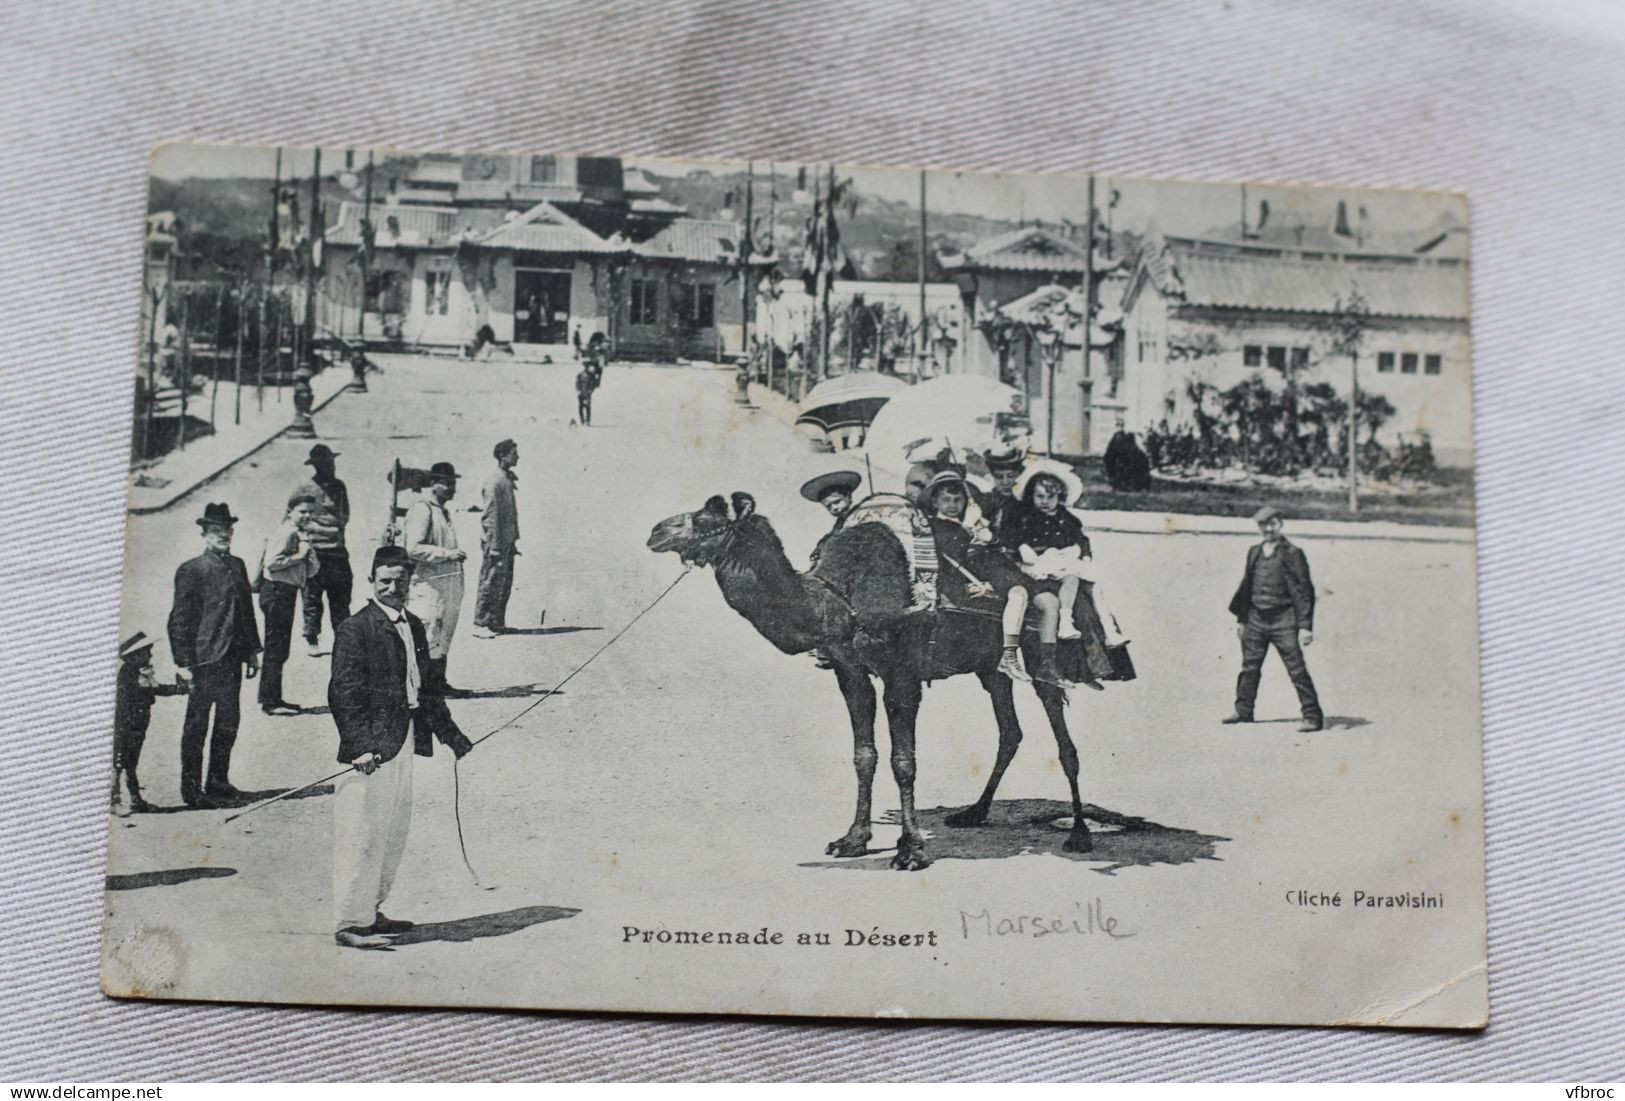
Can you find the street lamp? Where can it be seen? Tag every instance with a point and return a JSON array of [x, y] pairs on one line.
[[1050, 347]]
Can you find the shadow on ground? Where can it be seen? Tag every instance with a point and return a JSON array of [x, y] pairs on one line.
[[513, 691], [462, 930], [1028, 827], [168, 878], [249, 798], [1333, 722], [547, 630]]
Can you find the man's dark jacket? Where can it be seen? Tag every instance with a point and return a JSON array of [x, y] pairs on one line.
[[1295, 567], [213, 615], [367, 692]]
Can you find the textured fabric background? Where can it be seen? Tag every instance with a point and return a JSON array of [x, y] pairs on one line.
[[1523, 107]]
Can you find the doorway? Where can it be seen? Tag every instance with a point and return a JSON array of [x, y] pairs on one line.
[[541, 307]]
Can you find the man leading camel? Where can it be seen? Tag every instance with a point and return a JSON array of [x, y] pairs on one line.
[[379, 693]]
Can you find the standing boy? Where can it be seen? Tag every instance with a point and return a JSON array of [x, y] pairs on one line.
[[287, 564], [1275, 606], [132, 712], [437, 577], [329, 516], [499, 531]]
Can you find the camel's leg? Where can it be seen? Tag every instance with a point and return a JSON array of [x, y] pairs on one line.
[[1054, 701], [902, 709], [1004, 710], [860, 706]]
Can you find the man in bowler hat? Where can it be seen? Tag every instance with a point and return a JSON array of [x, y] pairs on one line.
[[214, 639], [381, 690], [1275, 606], [329, 516]]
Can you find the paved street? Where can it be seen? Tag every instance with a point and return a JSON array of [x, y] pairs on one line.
[[691, 776]]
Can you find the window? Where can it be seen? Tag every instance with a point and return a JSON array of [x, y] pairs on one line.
[[1252, 355], [1385, 363], [387, 291], [1407, 363], [644, 309], [1432, 364], [544, 169], [1300, 359], [1276, 358], [436, 291], [699, 305], [599, 172]]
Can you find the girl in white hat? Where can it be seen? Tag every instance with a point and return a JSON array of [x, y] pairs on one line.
[[1053, 548]]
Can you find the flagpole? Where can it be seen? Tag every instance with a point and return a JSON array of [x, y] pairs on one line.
[[921, 349], [745, 248], [827, 264]]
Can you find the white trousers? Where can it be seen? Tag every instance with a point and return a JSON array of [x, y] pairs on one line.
[[371, 816], [437, 601]]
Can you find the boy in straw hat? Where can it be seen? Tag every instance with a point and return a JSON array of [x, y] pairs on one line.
[[132, 712]]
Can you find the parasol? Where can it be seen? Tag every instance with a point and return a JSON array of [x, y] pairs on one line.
[[848, 401], [970, 412]]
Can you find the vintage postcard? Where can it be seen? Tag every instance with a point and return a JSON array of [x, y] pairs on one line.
[[645, 585]]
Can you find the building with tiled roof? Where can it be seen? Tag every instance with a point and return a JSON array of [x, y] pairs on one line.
[[537, 250], [1006, 283], [1209, 312]]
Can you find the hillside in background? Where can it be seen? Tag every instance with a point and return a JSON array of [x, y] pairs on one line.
[[226, 219], [881, 236]]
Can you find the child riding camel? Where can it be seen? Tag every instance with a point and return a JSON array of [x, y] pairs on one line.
[[1053, 549], [970, 554]]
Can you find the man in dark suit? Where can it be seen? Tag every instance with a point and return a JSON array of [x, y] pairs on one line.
[[1275, 606], [381, 689], [214, 638]]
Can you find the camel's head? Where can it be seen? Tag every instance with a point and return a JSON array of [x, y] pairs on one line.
[[700, 537]]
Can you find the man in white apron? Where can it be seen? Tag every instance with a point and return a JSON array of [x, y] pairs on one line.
[[436, 595]]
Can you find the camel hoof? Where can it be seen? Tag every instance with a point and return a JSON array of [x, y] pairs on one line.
[[1079, 842], [848, 846], [910, 857], [969, 818]]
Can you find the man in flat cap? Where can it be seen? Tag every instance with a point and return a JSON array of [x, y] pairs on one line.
[[1275, 606], [499, 531], [436, 596], [214, 639], [329, 516], [380, 691]]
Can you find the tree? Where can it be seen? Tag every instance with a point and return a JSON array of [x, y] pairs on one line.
[[1346, 329], [902, 264]]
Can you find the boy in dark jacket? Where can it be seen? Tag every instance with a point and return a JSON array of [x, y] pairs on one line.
[[132, 711], [1275, 606]]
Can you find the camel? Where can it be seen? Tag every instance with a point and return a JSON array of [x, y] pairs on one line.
[[853, 605]]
